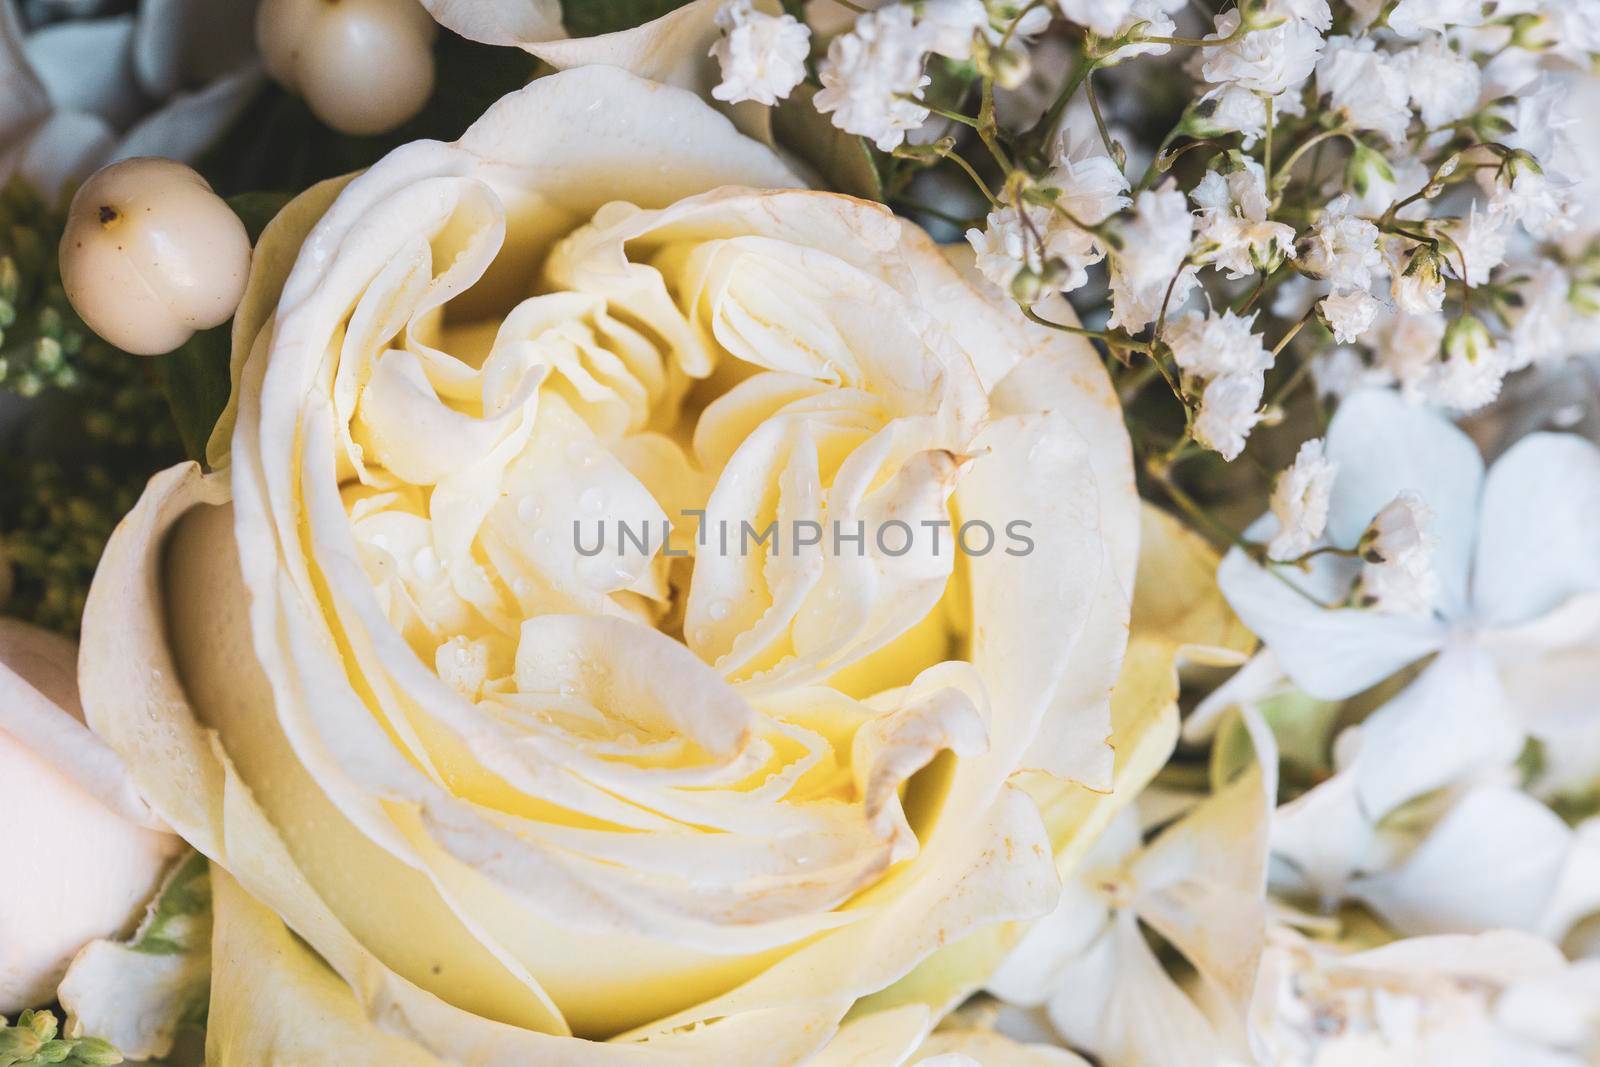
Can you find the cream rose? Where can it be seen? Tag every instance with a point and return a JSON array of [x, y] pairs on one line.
[[677, 804], [85, 853]]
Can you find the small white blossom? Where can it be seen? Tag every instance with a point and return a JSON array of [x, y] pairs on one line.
[[1468, 385], [1155, 244], [1269, 61], [1544, 128], [1480, 243], [1398, 576], [948, 26], [1386, 181], [1472, 370], [1229, 410], [1444, 84], [1036, 239], [1211, 346], [1089, 188], [1407, 348], [1417, 286], [1342, 248], [1413, 18], [763, 57], [1088, 183], [1234, 108], [1546, 327], [1113, 18], [869, 75], [1522, 192], [1571, 29], [1234, 228], [1300, 501], [1368, 85], [1349, 314]]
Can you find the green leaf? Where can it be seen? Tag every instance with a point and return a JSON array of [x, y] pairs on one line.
[[255, 210], [195, 381], [195, 378], [587, 18], [846, 163]]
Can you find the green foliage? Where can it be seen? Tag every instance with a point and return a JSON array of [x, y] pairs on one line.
[[33, 1040], [196, 383], [586, 18], [41, 338], [180, 920], [195, 378], [90, 426]]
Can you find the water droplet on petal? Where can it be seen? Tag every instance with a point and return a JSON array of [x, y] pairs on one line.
[[593, 500], [529, 509], [719, 610]]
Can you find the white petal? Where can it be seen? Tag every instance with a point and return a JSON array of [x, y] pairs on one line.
[[1537, 543], [1330, 653], [1325, 837], [1492, 863], [1451, 721], [511, 22], [1118, 1003], [54, 773]]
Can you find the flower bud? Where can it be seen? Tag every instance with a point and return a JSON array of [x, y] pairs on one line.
[[1027, 287], [1419, 288], [150, 255], [1366, 169], [363, 66], [1009, 67], [1468, 338]]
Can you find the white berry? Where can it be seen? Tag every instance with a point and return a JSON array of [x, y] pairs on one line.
[[363, 66], [150, 255]]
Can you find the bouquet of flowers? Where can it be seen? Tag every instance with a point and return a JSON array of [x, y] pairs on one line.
[[853, 533]]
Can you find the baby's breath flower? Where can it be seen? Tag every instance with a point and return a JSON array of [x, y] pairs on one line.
[[1473, 368], [1236, 236], [1229, 410], [1418, 287], [1154, 246], [1300, 498], [1407, 349], [1444, 84], [873, 75], [763, 57], [1413, 18], [1116, 18], [1211, 346], [1349, 314], [950, 26], [1480, 245], [1398, 576], [1367, 85], [1341, 248], [1269, 61], [1032, 252]]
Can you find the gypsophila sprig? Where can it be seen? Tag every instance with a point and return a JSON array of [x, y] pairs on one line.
[[1403, 159]]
